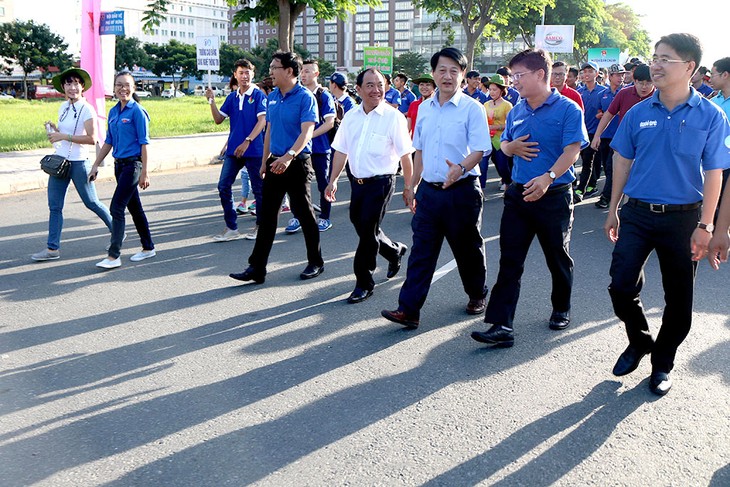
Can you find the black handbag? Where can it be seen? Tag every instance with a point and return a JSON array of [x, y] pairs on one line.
[[59, 166]]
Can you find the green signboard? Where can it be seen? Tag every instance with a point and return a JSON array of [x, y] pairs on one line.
[[604, 56], [380, 58]]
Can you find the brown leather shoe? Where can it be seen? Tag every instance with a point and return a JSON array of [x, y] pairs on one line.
[[400, 317], [476, 306]]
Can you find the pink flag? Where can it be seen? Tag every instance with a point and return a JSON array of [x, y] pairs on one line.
[[91, 61]]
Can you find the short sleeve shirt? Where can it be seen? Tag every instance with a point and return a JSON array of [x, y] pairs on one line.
[[128, 129], [513, 96], [554, 125], [406, 98], [71, 121], [592, 103], [671, 150], [243, 112], [347, 102], [571, 94], [286, 114], [606, 99], [478, 95], [392, 96], [624, 100], [413, 113], [321, 143], [450, 131]]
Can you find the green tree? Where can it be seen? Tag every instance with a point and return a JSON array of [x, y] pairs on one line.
[[173, 58], [410, 63], [129, 52], [32, 46], [478, 18]]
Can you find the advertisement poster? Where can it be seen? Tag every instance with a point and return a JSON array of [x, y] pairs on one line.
[[555, 38]]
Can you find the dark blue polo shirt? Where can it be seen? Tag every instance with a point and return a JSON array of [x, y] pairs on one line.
[[406, 98], [672, 149], [554, 125], [287, 113], [392, 96], [513, 96], [347, 102], [606, 100], [478, 95], [592, 103], [321, 143], [128, 129], [243, 112]]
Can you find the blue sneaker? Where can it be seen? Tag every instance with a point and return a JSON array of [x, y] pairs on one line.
[[293, 227], [324, 224]]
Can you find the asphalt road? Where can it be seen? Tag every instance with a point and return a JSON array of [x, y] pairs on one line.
[[168, 373]]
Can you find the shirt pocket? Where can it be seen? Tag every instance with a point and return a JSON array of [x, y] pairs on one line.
[[691, 142], [379, 146]]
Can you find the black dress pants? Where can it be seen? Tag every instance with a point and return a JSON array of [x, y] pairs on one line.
[[295, 181], [591, 168]]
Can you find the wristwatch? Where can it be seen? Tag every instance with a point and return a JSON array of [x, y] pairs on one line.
[[291, 153], [552, 175], [463, 169], [708, 227], [249, 139]]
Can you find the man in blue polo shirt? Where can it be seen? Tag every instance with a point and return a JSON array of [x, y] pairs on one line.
[[591, 93], [473, 80], [246, 109], [338, 88], [406, 96], [286, 167], [392, 96], [544, 133], [451, 136], [670, 151]]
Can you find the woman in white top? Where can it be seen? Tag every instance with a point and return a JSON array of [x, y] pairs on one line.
[[75, 130]]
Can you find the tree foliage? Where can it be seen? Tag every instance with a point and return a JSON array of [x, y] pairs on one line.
[[411, 63], [32, 46], [129, 52], [173, 59]]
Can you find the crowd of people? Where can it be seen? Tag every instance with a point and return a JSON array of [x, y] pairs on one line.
[[663, 146]]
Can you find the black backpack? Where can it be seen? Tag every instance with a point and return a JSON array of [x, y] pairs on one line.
[[339, 113]]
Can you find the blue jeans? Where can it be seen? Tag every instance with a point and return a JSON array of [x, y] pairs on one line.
[[245, 184], [126, 196], [321, 165], [231, 167], [57, 189]]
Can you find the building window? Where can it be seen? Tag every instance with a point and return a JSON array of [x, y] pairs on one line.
[[380, 16], [273, 31], [173, 33], [190, 35], [380, 36], [362, 36], [362, 17], [358, 56], [403, 26], [381, 26], [330, 56], [313, 39], [402, 35], [330, 48], [268, 31], [403, 6], [191, 22], [403, 15]]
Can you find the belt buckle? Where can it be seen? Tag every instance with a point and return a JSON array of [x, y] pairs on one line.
[[360, 181], [657, 208]]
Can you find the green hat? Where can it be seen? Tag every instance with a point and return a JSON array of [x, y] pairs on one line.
[[82, 74], [496, 80], [424, 78]]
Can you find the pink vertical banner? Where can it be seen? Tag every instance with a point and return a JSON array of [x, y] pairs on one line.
[[91, 61]]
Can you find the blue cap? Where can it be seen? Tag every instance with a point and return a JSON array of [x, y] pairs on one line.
[[589, 64], [338, 79]]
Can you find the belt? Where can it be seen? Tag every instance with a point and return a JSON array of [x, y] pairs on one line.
[[460, 182], [552, 189], [370, 179], [125, 160], [659, 208]]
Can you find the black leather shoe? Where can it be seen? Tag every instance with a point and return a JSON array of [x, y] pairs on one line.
[[311, 271], [476, 306], [559, 321], [498, 335], [249, 274], [400, 317], [394, 265], [629, 360], [359, 295], [660, 383]]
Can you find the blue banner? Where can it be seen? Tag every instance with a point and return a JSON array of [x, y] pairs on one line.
[[112, 23]]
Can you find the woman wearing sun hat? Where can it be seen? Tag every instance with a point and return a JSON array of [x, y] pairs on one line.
[[497, 109], [75, 130]]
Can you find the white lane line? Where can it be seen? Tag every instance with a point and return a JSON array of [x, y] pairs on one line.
[[451, 265]]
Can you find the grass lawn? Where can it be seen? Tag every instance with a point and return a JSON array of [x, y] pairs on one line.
[[22, 126]]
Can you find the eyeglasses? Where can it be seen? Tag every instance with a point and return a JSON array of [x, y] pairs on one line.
[[558, 75], [517, 76], [120, 85], [665, 61], [271, 68]]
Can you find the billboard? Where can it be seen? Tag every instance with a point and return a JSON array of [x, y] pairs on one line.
[[604, 56], [380, 58], [555, 38], [208, 53]]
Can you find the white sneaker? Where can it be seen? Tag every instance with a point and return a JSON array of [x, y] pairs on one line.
[[109, 263], [227, 236], [145, 254], [46, 254], [252, 234], [123, 239]]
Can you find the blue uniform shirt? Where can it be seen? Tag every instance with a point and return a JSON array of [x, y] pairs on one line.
[[321, 143], [723, 102], [128, 129], [705, 90], [513, 96], [347, 102], [606, 100], [591, 104], [243, 112], [287, 113], [554, 125], [478, 95], [406, 98], [672, 149], [452, 131], [392, 96]]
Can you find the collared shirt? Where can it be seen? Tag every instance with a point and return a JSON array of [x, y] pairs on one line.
[[478, 95], [128, 129], [592, 103], [287, 113], [705, 90], [606, 99], [671, 150], [554, 125], [347, 102], [723, 102], [321, 143], [392, 96], [244, 111], [450, 131], [373, 142], [571, 94], [406, 98], [513, 96], [413, 114], [624, 100]]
